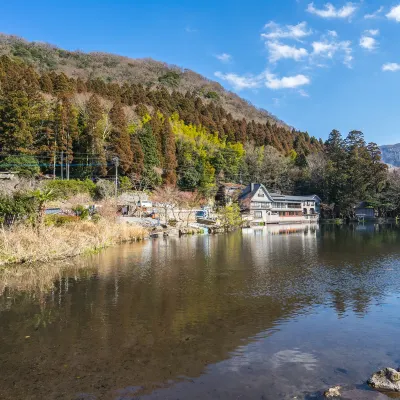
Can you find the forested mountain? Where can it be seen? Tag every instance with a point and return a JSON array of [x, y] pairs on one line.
[[391, 154], [117, 69], [76, 112]]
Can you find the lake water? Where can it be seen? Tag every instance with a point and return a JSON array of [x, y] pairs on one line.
[[282, 312]]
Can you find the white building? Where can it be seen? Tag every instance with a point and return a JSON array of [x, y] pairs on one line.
[[258, 206]]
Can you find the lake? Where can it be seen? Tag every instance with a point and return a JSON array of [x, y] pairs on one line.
[[281, 312]]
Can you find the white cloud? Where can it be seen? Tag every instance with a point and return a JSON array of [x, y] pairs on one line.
[[278, 51], [394, 13], [331, 48], [333, 34], [224, 57], [287, 82], [392, 67], [271, 81], [240, 82], [374, 14], [372, 32], [330, 11], [368, 43], [303, 93], [275, 31]]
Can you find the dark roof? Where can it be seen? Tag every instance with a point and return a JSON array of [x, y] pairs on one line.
[[249, 191], [252, 189]]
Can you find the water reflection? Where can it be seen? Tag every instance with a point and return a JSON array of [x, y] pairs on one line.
[[138, 319]]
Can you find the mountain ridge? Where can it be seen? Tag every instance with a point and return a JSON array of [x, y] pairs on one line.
[[122, 69], [391, 154]]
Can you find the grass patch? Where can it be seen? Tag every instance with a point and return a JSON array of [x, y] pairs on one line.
[[25, 244]]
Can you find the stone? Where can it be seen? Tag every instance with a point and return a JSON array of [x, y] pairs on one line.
[[387, 379], [332, 392]]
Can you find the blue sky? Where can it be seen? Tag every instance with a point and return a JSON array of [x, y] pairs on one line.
[[318, 66]]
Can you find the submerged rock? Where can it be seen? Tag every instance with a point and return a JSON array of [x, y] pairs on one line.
[[387, 379], [332, 392]]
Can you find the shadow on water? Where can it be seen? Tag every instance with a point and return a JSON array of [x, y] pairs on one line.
[[272, 313]]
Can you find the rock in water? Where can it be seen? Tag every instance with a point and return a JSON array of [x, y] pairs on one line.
[[386, 379], [332, 392]]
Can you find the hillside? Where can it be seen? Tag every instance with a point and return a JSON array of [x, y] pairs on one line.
[[391, 154], [114, 68], [72, 114]]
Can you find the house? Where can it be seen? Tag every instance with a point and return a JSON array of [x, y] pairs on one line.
[[364, 211], [259, 206], [228, 193]]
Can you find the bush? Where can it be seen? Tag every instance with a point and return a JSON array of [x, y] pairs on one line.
[[104, 189], [81, 211], [125, 184], [60, 220], [212, 95], [20, 206], [25, 165], [171, 78], [64, 189]]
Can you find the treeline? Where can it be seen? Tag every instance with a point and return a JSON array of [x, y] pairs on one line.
[[348, 172], [39, 115]]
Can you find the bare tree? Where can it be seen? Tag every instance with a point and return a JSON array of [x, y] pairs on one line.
[[191, 201], [168, 199]]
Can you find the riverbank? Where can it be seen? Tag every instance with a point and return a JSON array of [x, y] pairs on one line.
[[26, 244]]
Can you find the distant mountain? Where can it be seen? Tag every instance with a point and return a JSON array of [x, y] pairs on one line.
[[391, 154]]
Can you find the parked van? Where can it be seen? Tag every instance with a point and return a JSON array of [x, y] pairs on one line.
[[145, 204]]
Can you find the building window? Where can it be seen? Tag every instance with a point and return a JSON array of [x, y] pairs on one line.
[[257, 214]]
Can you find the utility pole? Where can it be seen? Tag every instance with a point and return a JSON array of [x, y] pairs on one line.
[[116, 163], [62, 164], [54, 165]]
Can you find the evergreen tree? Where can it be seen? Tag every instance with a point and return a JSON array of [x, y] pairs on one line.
[[120, 137], [169, 154], [151, 160], [93, 132], [138, 156]]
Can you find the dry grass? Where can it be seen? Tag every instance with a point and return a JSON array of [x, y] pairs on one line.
[[22, 244]]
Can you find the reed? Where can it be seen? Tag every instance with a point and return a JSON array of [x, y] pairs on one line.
[[25, 244]]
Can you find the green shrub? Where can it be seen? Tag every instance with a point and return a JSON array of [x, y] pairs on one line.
[[171, 78], [212, 95], [60, 220], [25, 165], [20, 206], [81, 211], [68, 188], [125, 184]]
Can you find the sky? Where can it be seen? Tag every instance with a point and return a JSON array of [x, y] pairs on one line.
[[316, 65]]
